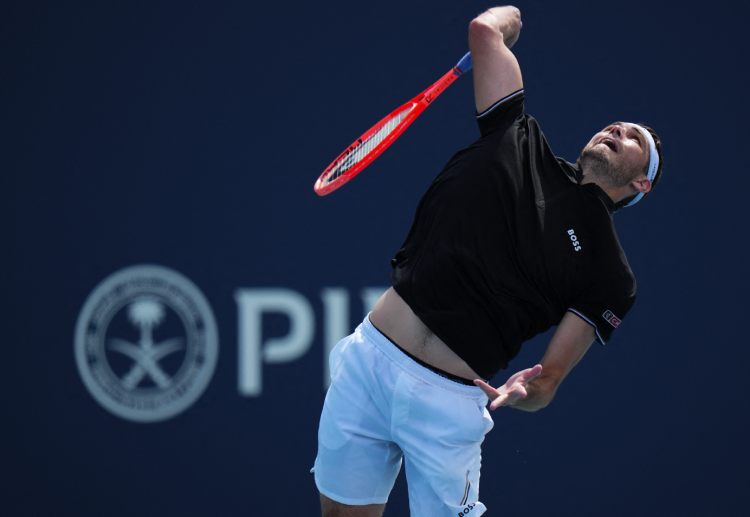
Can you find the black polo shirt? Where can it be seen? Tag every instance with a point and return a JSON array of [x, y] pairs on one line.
[[506, 240]]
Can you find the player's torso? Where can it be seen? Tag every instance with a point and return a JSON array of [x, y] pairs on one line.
[[541, 233]]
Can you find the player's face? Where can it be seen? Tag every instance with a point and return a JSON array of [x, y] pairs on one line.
[[623, 148]]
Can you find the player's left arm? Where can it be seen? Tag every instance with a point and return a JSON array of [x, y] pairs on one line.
[[534, 388]]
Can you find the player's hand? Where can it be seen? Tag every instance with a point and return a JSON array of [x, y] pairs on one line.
[[513, 390]]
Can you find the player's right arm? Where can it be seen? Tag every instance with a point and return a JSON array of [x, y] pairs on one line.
[[496, 70]]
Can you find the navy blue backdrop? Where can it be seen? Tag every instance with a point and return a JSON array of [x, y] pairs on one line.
[[188, 135]]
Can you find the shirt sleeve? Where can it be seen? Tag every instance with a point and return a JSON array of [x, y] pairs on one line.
[[605, 303], [502, 113]]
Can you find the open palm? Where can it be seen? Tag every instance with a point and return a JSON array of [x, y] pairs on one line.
[[514, 388]]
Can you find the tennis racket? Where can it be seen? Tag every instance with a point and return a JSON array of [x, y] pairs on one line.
[[363, 151]]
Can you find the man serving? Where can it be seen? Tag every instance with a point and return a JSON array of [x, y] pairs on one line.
[[508, 241]]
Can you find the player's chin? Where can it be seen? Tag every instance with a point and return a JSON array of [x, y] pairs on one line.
[[596, 157], [597, 152]]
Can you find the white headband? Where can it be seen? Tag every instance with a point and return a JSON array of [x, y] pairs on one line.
[[653, 160]]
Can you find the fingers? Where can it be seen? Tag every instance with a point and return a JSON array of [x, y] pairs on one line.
[[513, 390], [488, 390], [500, 397], [532, 373], [509, 396], [500, 401], [524, 376], [497, 397]]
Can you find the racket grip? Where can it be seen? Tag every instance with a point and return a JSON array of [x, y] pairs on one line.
[[464, 65]]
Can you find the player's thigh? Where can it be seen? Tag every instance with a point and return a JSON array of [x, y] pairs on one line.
[[446, 488], [331, 508], [357, 461], [441, 441]]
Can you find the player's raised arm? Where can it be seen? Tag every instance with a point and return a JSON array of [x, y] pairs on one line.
[[496, 70]]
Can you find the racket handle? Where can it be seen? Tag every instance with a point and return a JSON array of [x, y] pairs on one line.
[[464, 65]]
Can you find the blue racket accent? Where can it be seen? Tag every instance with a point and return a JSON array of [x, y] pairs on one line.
[[464, 65]]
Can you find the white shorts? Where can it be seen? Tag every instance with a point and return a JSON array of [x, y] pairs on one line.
[[383, 406]]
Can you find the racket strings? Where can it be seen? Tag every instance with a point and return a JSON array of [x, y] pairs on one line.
[[368, 144]]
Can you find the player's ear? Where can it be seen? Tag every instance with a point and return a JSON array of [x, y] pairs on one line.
[[641, 184]]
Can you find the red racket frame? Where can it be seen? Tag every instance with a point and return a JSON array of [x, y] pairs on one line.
[[420, 102]]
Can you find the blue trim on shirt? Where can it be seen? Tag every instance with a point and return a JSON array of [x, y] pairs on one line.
[[584, 318], [498, 103]]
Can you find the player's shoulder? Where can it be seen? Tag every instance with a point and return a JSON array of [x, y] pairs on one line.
[[502, 114], [510, 103]]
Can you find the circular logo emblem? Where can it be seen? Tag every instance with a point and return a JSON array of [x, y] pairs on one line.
[[146, 343]]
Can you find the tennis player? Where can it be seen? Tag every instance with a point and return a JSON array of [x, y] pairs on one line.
[[508, 241]]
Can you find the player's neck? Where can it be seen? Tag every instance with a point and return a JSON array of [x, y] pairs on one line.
[[615, 193]]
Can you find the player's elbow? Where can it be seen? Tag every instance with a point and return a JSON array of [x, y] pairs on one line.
[[494, 26], [483, 34]]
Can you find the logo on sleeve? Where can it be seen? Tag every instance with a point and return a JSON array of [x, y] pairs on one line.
[[574, 240], [610, 317]]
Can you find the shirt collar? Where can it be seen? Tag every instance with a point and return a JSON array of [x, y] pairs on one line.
[[598, 192], [576, 174]]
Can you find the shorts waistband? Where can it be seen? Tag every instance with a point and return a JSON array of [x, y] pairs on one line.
[[442, 373], [405, 361]]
